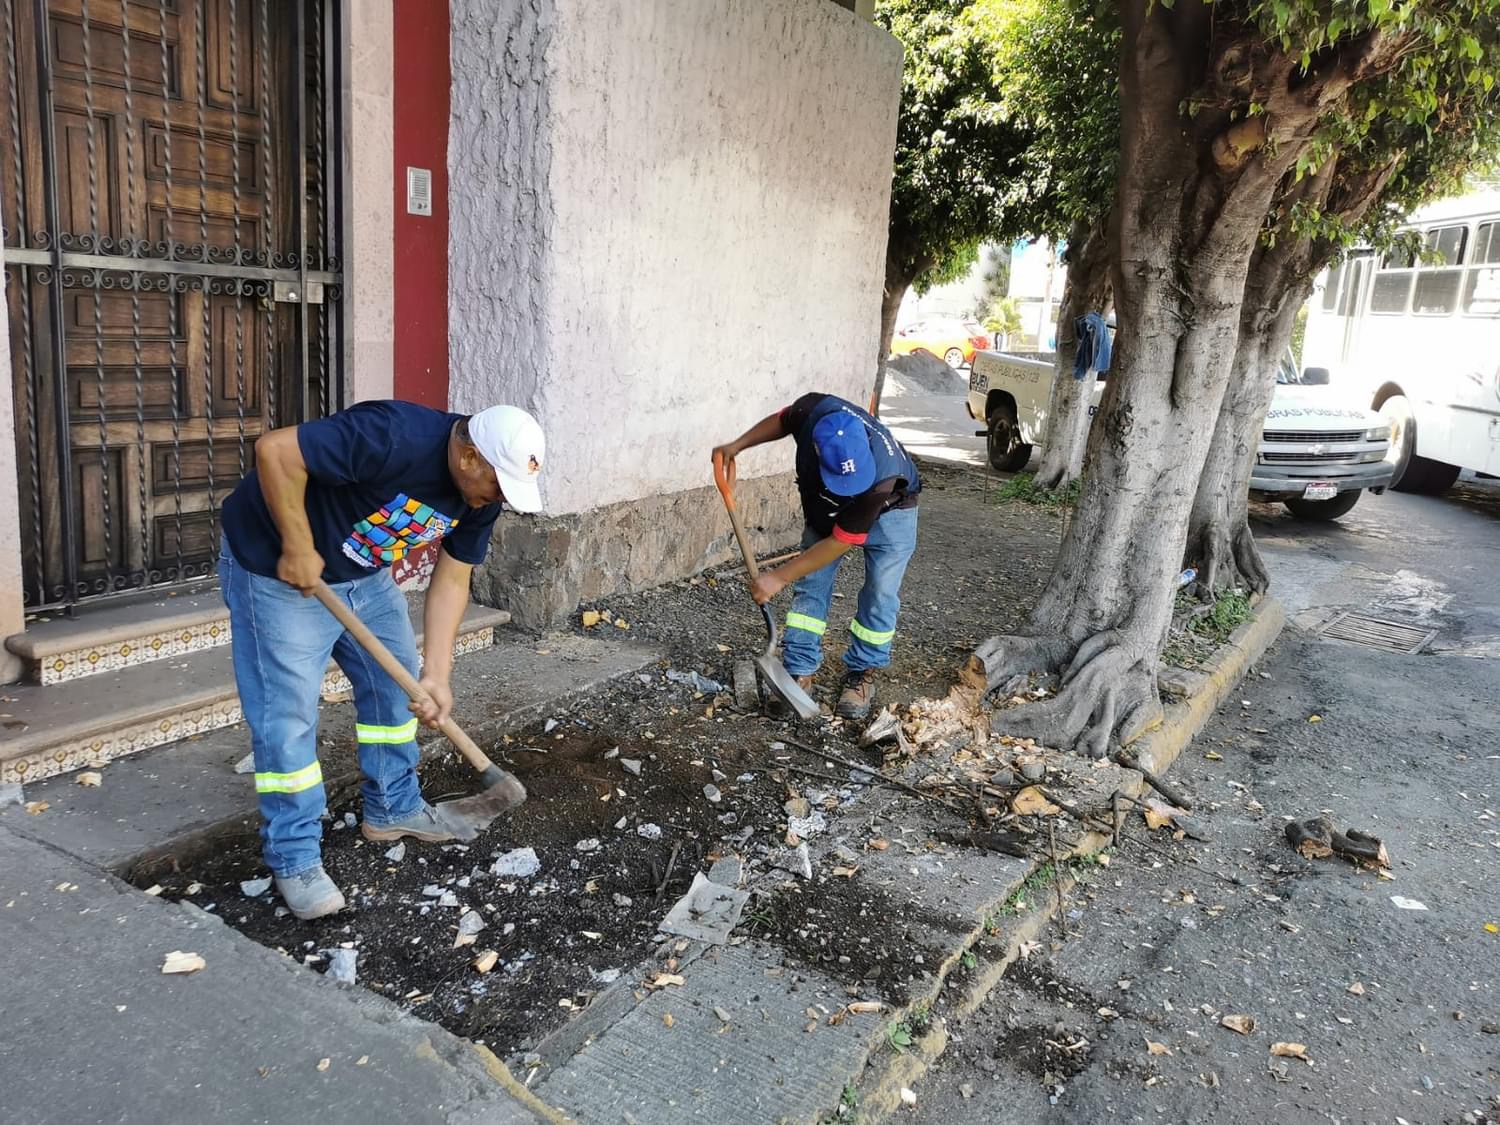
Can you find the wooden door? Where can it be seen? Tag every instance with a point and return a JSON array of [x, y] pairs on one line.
[[148, 350]]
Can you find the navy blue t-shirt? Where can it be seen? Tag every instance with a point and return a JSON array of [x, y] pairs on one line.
[[378, 488]]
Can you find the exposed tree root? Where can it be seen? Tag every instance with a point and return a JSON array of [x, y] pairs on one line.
[[1107, 692], [1227, 556]]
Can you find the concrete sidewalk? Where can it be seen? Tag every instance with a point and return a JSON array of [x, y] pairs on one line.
[[95, 1032]]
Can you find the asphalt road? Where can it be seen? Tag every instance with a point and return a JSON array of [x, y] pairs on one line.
[[1398, 1007], [932, 424]]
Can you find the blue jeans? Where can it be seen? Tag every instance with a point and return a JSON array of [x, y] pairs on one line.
[[887, 551], [281, 643]]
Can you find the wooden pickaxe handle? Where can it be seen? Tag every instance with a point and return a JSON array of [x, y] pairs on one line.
[[724, 478], [397, 671]]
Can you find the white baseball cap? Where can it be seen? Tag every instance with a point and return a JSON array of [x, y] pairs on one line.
[[511, 441]]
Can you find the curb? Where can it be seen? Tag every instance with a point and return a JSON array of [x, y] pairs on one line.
[[880, 1087], [1158, 748]]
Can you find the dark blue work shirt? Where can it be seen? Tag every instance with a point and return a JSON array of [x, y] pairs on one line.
[[378, 488]]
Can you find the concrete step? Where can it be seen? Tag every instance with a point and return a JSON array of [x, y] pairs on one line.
[[122, 634], [55, 728], [159, 809]]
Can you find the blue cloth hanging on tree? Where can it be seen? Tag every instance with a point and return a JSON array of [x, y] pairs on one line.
[[1093, 345]]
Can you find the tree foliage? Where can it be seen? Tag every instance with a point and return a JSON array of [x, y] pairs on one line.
[[1056, 76], [958, 158]]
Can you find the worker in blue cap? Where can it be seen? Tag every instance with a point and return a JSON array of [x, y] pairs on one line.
[[859, 489]]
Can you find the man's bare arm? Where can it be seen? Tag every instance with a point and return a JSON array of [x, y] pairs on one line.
[[283, 482], [447, 598]]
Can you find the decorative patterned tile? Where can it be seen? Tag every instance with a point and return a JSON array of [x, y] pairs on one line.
[[103, 749], [92, 660]]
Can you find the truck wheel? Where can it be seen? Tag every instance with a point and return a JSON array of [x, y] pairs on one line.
[[1427, 477], [1008, 453], [1322, 509], [1414, 473]]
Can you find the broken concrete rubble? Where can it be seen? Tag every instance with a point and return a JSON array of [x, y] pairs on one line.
[[707, 913], [522, 863]]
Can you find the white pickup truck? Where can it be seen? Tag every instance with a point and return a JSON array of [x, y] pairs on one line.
[[1318, 450]]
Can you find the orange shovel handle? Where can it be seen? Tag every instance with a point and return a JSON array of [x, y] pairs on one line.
[[724, 478]]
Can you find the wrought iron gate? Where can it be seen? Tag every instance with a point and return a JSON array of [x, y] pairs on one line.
[[170, 206]]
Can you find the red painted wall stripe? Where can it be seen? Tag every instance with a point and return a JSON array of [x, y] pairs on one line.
[[420, 98]]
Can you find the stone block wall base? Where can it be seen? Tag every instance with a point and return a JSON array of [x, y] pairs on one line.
[[542, 568]]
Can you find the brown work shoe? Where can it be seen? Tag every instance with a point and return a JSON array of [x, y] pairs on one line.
[[777, 707], [858, 696]]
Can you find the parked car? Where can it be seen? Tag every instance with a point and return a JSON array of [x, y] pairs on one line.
[[1319, 449], [952, 341]]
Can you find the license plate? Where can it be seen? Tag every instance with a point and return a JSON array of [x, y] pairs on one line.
[[1320, 490], [978, 382]]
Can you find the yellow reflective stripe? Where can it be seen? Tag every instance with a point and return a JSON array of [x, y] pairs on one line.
[[802, 621], [293, 782], [870, 636], [367, 732]]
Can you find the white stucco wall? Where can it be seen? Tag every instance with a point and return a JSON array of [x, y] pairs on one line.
[[668, 219]]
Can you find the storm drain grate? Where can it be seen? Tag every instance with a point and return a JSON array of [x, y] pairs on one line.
[[1372, 632]]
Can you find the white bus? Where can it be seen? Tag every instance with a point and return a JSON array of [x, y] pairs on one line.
[[1419, 341]]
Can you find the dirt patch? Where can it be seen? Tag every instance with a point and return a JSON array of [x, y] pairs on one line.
[[856, 932], [589, 915]]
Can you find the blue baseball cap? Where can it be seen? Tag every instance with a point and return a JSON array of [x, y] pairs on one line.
[[844, 456]]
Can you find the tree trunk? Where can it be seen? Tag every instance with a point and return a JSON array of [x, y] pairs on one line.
[[1220, 543], [898, 279], [1087, 290], [1183, 231]]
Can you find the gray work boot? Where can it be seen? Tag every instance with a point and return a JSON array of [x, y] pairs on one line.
[[310, 894], [428, 823]]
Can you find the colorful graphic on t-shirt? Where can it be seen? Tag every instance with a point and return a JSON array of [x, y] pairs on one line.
[[400, 527]]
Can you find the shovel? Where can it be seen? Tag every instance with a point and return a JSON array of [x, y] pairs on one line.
[[502, 791], [772, 670]]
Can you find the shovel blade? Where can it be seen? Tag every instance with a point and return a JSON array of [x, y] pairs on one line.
[[498, 798], [779, 680]]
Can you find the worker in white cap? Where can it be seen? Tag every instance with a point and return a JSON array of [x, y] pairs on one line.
[[339, 501]]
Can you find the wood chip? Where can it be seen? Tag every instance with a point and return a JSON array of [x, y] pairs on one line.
[[590, 618], [723, 1015], [363, 1060], [324, 1064], [1158, 815], [1356, 989], [664, 980], [90, 779], [1157, 1048], [879, 844], [486, 961], [846, 872], [1030, 801], [1242, 1024], [865, 1007], [179, 962], [1290, 1051], [155, 889], [669, 1019], [36, 808]]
